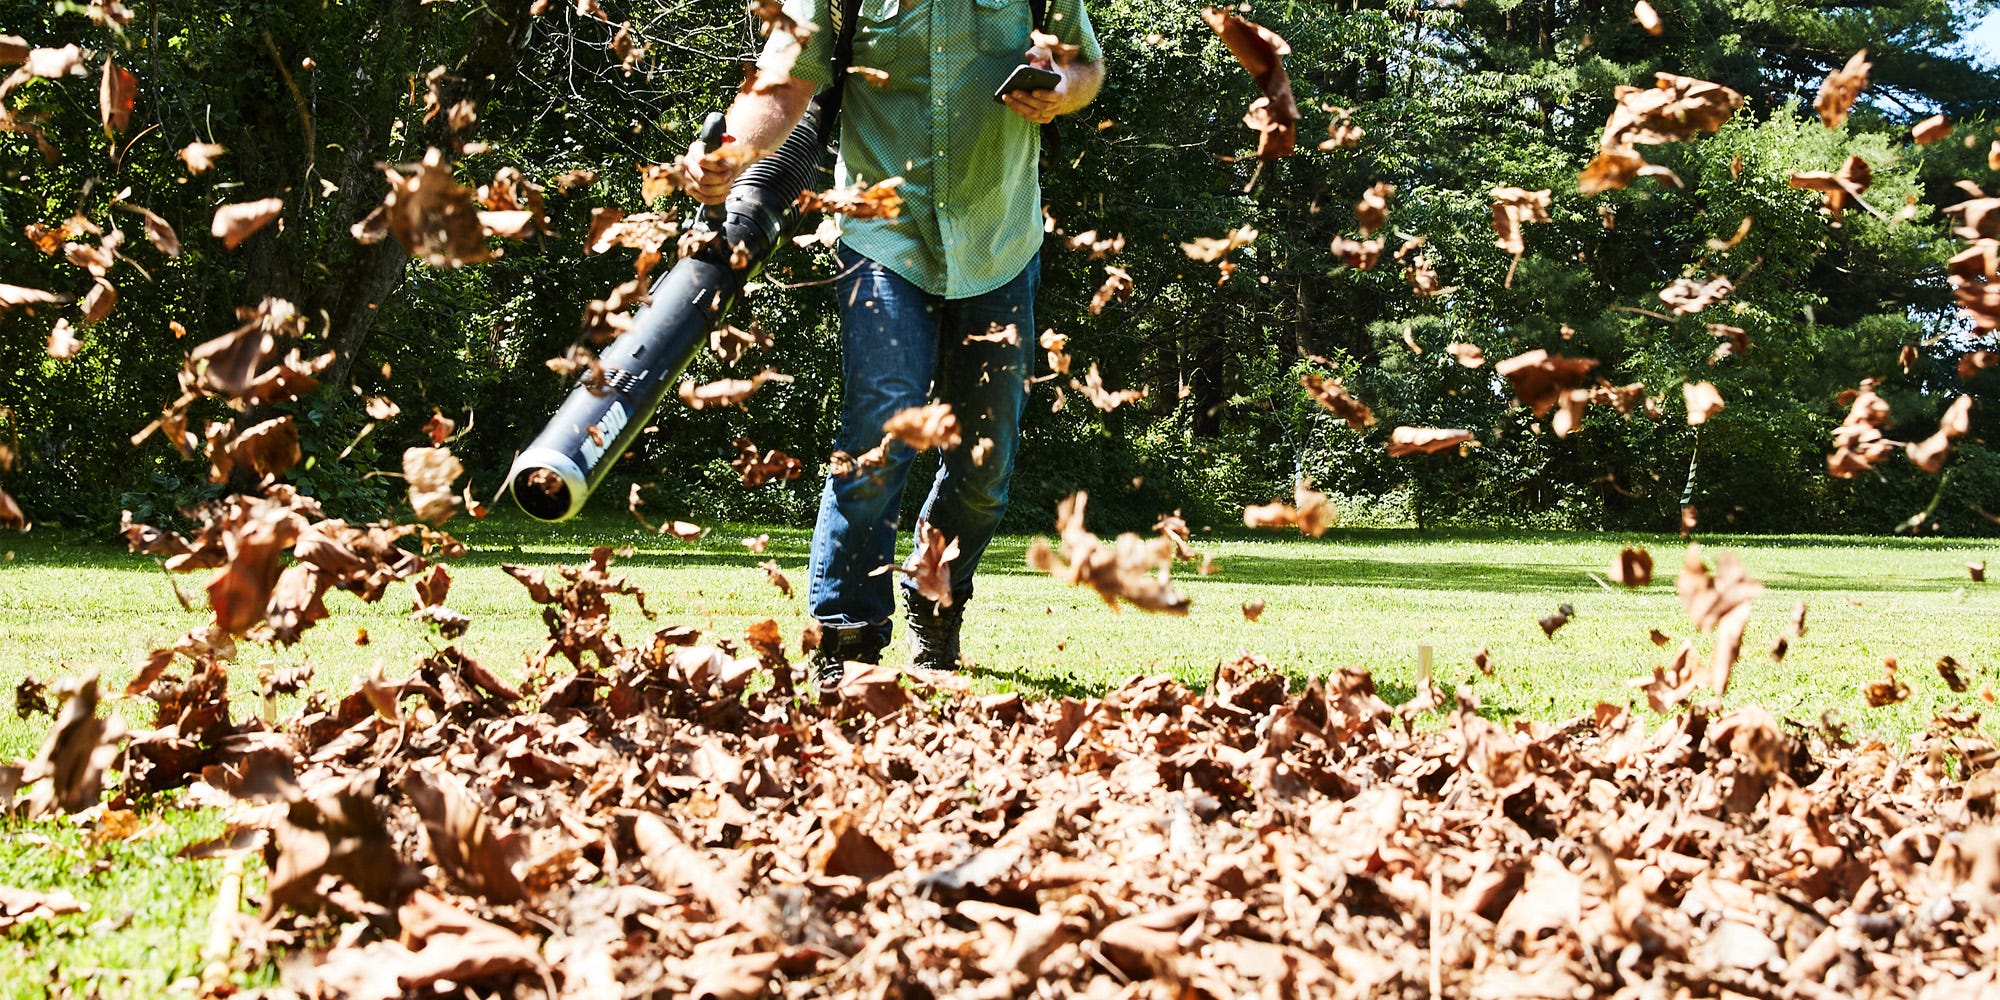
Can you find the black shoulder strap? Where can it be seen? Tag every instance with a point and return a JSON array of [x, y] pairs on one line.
[[1038, 10], [845, 14]]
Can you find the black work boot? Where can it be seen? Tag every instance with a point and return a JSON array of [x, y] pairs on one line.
[[933, 632], [841, 646]]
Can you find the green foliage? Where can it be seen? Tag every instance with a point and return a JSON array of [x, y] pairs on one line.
[[1454, 103]]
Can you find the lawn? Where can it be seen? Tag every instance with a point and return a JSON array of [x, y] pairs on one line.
[[1365, 598]]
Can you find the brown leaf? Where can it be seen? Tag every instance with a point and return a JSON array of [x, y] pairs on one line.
[[1512, 209], [1840, 187], [1098, 248], [1117, 285], [1703, 402], [11, 515], [266, 449], [1209, 249], [1686, 296], [1930, 453], [932, 425], [74, 755], [1467, 355], [1858, 442], [237, 222], [1554, 622], [1930, 130], [1124, 570], [758, 468], [432, 216], [23, 906], [1947, 669], [1092, 387], [62, 340], [98, 302], [430, 473], [26, 299], [1718, 603], [1253, 609], [1425, 440], [728, 391], [1647, 17], [116, 92], [1362, 255], [1540, 378], [1341, 132], [1632, 567], [1841, 87], [857, 201], [1889, 690], [200, 156], [469, 848], [730, 343], [1332, 395], [929, 566], [256, 534], [1261, 53], [843, 849], [776, 576]]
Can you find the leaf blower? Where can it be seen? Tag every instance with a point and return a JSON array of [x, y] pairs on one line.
[[568, 460]]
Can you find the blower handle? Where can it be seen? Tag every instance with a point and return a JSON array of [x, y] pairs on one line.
[[712, 133]]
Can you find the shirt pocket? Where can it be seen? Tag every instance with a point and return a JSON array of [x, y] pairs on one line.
[[1002, 26], [889, 37]]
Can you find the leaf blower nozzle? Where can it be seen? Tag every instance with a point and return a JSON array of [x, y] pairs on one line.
[[568, 460]]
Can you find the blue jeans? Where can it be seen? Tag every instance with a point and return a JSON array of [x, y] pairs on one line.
[[897, 343]]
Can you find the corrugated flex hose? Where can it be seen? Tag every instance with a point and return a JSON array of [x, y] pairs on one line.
[[568, 460]]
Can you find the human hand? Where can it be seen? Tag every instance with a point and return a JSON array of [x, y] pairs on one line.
[[707, 175], [1039, 106]]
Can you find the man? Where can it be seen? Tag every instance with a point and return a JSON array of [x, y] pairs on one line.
[[918, 294]]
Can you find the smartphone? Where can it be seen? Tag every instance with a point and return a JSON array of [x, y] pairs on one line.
[[1026, 77]]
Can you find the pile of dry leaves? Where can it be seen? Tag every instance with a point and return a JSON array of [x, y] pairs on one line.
[[670, 816]]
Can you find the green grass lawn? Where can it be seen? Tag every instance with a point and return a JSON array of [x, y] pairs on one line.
[[1364, 598]]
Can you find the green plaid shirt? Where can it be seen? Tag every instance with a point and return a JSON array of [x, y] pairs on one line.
[[971, 217]]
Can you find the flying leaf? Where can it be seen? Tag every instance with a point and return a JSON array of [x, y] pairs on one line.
[[1702, 402], [1104, 399], [1540, 378], [1840, 187], [1686, 296], [115, 96], [1837, 94], [431, 472], [728, 391], [758, 468], [857, 201], [1930, 453], [1372, 211], [1117, 285], [1647, 17], [62, 340], [1209, 249], [1332, 395], [1261, 52], [932, 425], [1425, 440], [1930, 130], [200, 156], [1632, 567], [238, 222], [1132, 569]]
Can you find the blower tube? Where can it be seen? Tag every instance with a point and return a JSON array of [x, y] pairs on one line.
[[568, 460]]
